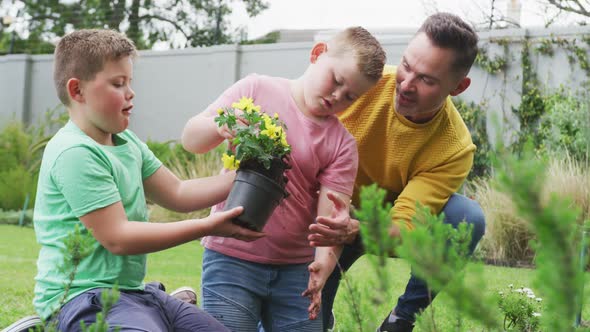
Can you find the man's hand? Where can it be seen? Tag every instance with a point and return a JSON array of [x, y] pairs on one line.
[[337, 229], [317, 279], [221, 225]]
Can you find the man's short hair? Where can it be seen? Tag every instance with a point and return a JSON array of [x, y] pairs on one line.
[[83, 53], [449, 31], [364, 47]]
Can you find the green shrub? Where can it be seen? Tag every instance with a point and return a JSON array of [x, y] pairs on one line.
[[21, 150], [16, 183], [474, 116], [185, 165], [565, 126]]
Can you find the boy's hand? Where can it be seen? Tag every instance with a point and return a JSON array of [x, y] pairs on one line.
[[337, 229], [317, 279], [229, 134], [221, 225]]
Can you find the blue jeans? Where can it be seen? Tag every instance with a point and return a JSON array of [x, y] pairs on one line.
[[240, 294], [148, 310], [416, 297]]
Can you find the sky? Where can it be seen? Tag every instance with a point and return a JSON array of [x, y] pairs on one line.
[[378, 14]]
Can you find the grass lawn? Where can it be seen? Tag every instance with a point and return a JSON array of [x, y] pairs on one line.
[[182, 266]]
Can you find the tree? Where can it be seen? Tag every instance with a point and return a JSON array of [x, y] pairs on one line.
[[176, 23], [580, 7]]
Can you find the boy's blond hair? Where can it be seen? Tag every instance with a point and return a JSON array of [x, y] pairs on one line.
[[365, 48], [83, 53]]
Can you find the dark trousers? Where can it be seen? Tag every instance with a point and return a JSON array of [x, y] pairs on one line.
[[416, 297], [148, 310]]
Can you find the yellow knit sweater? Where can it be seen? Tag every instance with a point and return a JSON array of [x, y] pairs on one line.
[[423, 163]]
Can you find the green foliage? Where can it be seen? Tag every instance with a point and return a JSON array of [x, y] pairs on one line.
[[80, 244], [491, 65], [559, 276], [532, 104], [375, 215], [269, 38], [146, 22], [20, 250], [21, 149], [521, 309], [437, 252], [162, 150], [17, 180], [475, 118], [565, 127]]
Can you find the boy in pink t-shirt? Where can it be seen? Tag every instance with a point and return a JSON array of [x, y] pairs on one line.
[[267, 280]]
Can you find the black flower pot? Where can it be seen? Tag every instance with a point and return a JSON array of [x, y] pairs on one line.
[[258, 194]]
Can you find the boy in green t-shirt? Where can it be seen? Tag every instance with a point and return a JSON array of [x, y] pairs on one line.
[[96, 175]]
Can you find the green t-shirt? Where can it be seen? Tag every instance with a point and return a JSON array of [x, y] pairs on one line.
[[78, 176]]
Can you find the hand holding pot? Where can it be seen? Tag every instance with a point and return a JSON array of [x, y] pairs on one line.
[[222, 225]]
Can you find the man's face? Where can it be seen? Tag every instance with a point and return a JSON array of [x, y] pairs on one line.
[[424, 79]]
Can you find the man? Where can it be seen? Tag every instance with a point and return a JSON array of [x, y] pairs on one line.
[[413, 143]]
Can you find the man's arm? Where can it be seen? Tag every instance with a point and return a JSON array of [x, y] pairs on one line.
[[432, 189]]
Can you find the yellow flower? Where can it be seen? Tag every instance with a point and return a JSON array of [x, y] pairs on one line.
[[246, 104], [284, 140], [220, 111], [271, 131], [276, 115], [243, 104], [230, 162]]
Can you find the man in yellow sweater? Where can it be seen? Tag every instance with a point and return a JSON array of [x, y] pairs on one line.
[[413, 143]]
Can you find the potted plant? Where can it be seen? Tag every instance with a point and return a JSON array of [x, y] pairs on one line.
[[260, 153]]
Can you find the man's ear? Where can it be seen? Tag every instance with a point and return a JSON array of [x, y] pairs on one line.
[[74, 87], [462, 86], [317, 50]]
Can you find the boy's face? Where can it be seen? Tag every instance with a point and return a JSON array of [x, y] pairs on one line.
[[107, 99], [332, 83], [425, 78]]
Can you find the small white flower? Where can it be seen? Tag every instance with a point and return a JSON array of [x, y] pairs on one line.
[[531, 296], [501, 293], [538, 299], [519, 291], [511, 286], [536, 314]]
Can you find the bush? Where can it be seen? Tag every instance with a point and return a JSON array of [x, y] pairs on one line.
[[508, 237], [507, 234], [21, 149], [185, 165], [17, 180], [565, 126], [475, 118]]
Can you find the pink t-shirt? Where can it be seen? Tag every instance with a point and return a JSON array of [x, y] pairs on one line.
[[321, 154]]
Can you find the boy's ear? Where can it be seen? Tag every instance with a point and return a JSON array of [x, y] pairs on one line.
[[75, 89], [462, 86], [317, 50]]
